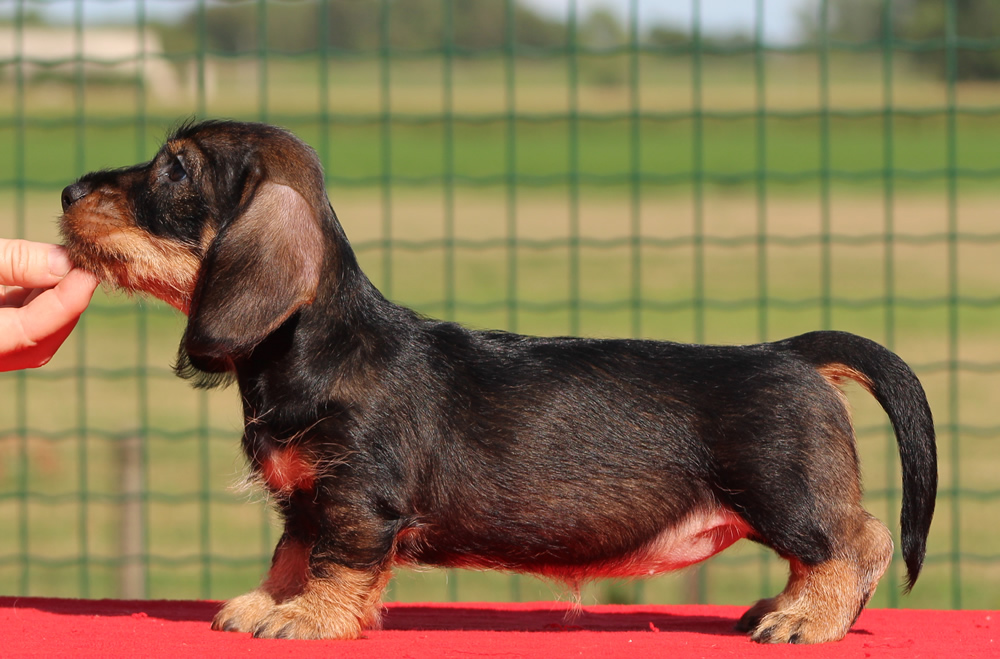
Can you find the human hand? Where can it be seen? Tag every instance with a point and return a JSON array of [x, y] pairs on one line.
[[41, 299]]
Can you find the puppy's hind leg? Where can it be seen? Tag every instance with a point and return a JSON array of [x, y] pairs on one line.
[[823, 600]]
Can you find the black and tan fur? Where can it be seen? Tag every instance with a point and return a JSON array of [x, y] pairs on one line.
[[388, 438]]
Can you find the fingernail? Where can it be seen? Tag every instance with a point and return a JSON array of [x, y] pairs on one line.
[[59, 263]]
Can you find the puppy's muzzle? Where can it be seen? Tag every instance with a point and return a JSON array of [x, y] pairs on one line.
[[74, 193]]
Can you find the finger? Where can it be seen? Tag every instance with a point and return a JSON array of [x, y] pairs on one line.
[[35, 331], [36, 355], [14, 296], [76, 290], [32, 294], [56, 307], [32, 265]]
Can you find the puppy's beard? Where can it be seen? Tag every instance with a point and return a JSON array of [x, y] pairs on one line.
[[132, 260]]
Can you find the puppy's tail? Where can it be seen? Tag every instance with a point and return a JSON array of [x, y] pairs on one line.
[[838, 355]]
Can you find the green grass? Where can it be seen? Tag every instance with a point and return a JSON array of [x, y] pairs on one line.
[[602, 155], [541, 130]]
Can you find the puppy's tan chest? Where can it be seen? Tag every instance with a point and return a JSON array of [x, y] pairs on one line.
[[286, 469]]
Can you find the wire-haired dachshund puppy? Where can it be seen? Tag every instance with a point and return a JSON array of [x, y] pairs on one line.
[[387, 438]]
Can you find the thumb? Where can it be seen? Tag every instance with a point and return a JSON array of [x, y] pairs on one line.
[[31, 265]]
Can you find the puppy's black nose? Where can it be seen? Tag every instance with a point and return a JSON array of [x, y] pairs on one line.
[[74, 193]]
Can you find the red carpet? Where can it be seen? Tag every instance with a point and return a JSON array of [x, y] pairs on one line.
[[78, 628]]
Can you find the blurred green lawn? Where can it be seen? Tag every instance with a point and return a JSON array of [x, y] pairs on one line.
[[600, 253], [600, 151], [404, 124]]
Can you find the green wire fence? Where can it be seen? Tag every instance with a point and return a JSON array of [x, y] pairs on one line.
[[594, 173]]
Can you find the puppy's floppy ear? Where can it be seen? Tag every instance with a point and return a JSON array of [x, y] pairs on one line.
[[259, 270]]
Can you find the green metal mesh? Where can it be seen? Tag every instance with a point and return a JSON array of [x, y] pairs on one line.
[[700, 189]]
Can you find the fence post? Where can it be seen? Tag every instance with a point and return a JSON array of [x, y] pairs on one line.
[[131, 522]]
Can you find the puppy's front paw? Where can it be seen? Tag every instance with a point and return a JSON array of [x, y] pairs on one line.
[[297, 619], [749, 620], [244, 613], [796, 627]]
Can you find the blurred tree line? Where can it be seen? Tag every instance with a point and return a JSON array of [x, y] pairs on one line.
[[471, 26], [301, 26], [233, 27], [357, 25], [922, 27]]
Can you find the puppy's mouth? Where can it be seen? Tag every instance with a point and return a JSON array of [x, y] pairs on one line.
[[125, 257]]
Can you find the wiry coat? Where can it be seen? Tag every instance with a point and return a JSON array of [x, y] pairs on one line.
[[389, 438]]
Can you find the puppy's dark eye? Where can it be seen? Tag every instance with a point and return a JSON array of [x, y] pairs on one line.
[[176, 171]]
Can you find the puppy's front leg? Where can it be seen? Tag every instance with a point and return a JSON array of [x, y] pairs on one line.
[[286, 579], [307, 598], [340, 603]]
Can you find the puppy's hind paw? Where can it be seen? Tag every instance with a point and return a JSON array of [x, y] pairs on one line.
[[244, 613]]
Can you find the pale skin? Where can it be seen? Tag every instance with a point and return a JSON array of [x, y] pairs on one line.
[[41, 298]]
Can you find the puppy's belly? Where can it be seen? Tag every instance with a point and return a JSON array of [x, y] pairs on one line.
[[701, 535]]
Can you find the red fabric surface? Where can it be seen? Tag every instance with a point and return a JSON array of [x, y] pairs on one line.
[[109, 628]]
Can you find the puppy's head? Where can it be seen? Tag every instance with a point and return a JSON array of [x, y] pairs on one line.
[[229, 223]]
